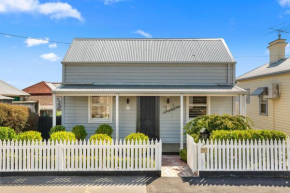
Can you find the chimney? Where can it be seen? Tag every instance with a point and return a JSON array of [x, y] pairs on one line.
[[277, 50]]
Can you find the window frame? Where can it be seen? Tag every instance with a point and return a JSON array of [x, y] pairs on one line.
[[207, 105], [260, 103], [248, 96], [99, 120]]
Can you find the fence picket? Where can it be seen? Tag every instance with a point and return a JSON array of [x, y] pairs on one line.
[[82, 155], [241, 155]]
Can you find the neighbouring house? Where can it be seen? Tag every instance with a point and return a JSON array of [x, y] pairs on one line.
[[14, 96], [41, 93], [153, 86], [268, 87]]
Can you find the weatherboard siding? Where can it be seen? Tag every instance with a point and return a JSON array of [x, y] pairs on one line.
[[148, 73], [76, 113], [278, 109]]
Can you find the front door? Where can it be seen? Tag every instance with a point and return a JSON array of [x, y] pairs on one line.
[[148, 116]]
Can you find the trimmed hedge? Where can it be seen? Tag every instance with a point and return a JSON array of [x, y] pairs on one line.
[[29, 136], [101, 137], [183, 155], [104, 129], [57, 128], [80, 132], [248, 134], [218, 122], [6, 133], [63, 136], [137, 136]]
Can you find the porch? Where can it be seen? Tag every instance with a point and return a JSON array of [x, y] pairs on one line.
[[159, 111]]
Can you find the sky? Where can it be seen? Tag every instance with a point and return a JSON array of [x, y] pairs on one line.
[[26, 61]]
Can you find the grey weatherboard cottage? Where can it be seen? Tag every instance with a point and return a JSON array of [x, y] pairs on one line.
[[137, 85]]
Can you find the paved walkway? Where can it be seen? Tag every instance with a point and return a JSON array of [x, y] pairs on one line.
[[172, 166]]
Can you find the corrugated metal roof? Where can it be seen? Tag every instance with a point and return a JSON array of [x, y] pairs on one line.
[[5, 98], [202, 89], [8, 90], [282, 66], [148, 51]]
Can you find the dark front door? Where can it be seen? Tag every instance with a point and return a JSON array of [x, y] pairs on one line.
[[149, 116]]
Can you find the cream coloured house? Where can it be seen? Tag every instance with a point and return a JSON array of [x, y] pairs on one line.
[[268, 86]]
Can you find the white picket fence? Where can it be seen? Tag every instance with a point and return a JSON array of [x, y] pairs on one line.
[[80, 156], [240, 155]]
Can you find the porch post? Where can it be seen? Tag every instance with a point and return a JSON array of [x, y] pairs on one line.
[[245, 105], [117, 116], [240, 105], [53, 110], [181, 121]]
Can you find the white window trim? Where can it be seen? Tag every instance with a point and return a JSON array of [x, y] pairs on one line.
[[110, 120], [267, 106], [207, 106]]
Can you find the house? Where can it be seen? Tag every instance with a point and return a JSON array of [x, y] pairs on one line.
[[9, 93], [41, 93], [268, 87], [153, 86]]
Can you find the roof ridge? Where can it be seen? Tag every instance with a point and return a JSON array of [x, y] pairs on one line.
[[148, 39]]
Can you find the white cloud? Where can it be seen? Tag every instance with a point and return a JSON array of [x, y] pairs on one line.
[[56, 10], [284, 3], [54, 45], [51, 57], [145, 34], [108, 2], [35, 42]]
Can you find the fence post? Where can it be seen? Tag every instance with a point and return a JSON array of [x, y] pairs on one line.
[[160, 154], [60, 156]]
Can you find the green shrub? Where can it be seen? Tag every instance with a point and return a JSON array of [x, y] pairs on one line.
[[218, 122], [6, 133], [57, 128], [137, 136], [183, 155], [104, 129], [80, 132], [29, 136], [14, 116], [102, 137], [32, 122], [248, 134], [63, 136]]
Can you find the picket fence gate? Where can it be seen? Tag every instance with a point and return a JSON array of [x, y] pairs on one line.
[[17, 156], [238, 155]]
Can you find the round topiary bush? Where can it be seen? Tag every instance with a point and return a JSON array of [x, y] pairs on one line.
[[80, 132], [137, 137], [57, 128], [6, 133], [29, 136], [105, 129], [102, 137], [63, 136]]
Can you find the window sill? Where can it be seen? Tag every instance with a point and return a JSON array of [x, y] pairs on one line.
[[263, 114]]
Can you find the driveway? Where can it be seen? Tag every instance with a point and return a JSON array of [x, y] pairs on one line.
[[140, 184]]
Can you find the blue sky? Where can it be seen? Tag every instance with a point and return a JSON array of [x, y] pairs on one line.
[[24, 62]]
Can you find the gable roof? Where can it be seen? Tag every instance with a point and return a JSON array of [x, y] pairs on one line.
[[42, 87], [148, 51], [282, 66], [9, 90]]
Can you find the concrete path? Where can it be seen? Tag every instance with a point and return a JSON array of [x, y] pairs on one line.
[[219, 185], [142, 184], [74, 184]]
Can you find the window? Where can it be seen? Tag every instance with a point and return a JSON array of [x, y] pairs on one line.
[[248, 98], [100, 109], [197, 106], [263, 102]]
